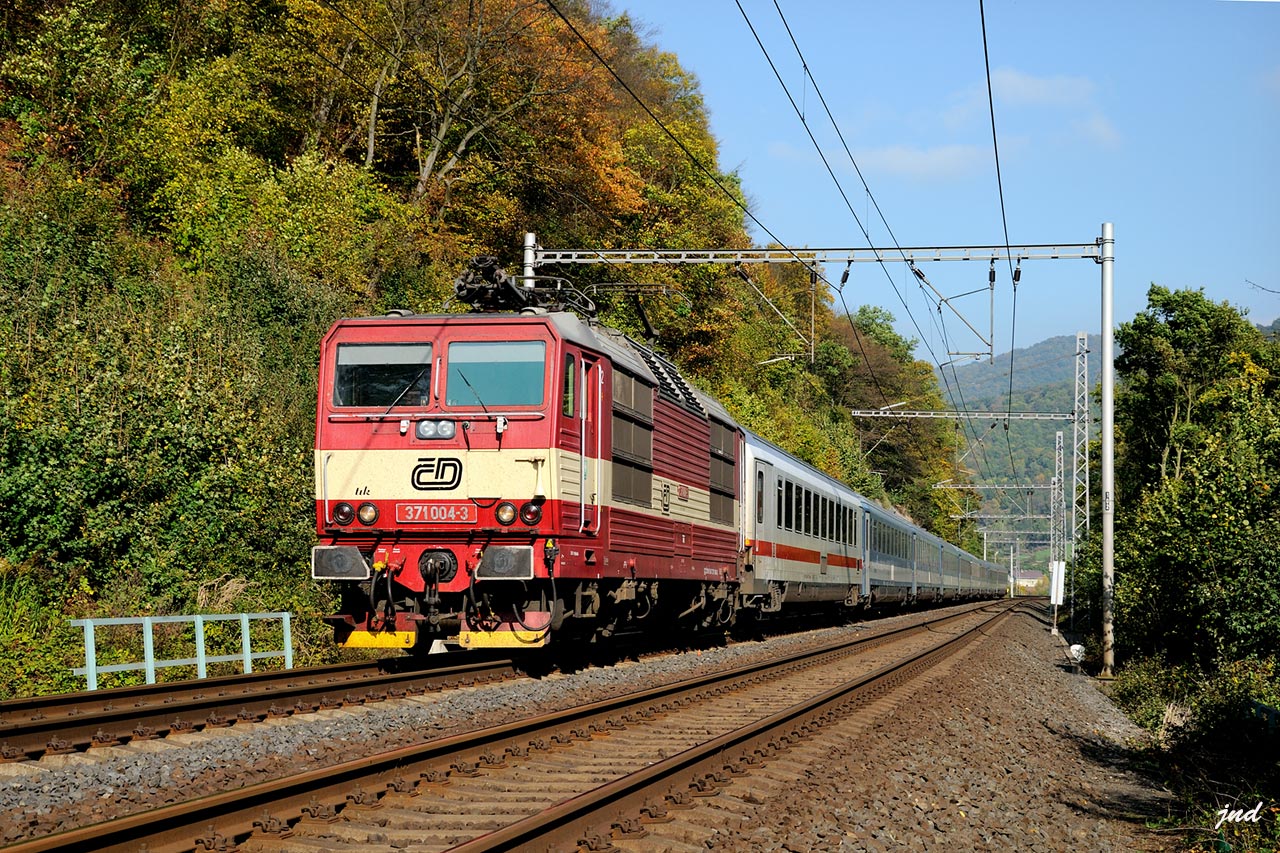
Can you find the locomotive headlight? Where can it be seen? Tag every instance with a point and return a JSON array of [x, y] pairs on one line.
[[505, 513], [427, 430], [530, 513], [368, 513], [344, 513]]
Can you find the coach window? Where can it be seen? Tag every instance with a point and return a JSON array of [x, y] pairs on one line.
[[822, 519], [570, 375], [779, 502], [787, 506]]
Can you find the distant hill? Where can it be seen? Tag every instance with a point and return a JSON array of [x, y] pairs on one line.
[[1048, 364], [1043, 381]]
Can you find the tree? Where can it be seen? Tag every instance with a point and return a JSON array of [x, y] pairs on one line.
[[1199, 456], [1170, 355], [1199, 567]]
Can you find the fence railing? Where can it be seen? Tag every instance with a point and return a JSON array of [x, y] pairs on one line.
[[1270, 716], [149, 664]]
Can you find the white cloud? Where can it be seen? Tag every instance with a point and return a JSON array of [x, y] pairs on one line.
[[934, 163], [940, 162], [1021, 89], [1097, 128], [1012, 89], [1060, 105]]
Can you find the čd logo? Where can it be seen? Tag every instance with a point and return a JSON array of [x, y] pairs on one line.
[[437, 474]]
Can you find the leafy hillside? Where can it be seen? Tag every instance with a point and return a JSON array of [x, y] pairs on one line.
[[192, 194]]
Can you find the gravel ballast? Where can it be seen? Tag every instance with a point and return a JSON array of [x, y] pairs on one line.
[[1008, 749]]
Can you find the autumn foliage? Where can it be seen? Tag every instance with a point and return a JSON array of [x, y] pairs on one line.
[[192, 193]]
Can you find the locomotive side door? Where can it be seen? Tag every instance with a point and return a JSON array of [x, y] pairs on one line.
[[591, 414]]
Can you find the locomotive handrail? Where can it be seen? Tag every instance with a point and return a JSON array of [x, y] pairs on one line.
[[324, 488], [461, 416]]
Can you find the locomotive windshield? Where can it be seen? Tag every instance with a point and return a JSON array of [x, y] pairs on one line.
[[383, 375], [493, 374]]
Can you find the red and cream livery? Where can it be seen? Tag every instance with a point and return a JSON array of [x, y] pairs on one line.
[[492, 479]]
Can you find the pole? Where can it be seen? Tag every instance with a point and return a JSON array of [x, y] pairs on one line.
[[1108, 451], [813, 310], [530, 254]]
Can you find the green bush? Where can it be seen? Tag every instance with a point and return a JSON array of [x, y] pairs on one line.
[[1146, 688], [40, 647]]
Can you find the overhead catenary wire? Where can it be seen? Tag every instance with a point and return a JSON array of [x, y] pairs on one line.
[[830, 171], [818, 91], [705, 169], [1004, 219], [693, 158], [711, 175]]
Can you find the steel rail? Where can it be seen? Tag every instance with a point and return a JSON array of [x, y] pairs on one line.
[[210, 821], [593, 813], [75, 722]]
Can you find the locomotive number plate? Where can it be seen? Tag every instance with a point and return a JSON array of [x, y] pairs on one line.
[[443, 512]]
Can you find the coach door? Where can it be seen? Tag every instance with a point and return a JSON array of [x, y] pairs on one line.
[[915, 554], [763, 532], [866, 555], [580, 435]]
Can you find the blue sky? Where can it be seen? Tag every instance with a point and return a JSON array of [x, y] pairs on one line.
[[1162, 118]]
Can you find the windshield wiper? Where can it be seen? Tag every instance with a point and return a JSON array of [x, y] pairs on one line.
[[463, 376], [412, 382]]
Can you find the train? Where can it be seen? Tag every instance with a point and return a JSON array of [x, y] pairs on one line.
[[498, 478]]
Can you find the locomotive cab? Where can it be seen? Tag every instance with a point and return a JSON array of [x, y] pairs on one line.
[[438, 504]]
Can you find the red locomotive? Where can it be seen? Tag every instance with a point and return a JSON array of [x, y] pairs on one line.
[[486, 479]]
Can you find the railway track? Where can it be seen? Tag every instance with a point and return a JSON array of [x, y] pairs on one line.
[[76, 722], [590, 777]]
